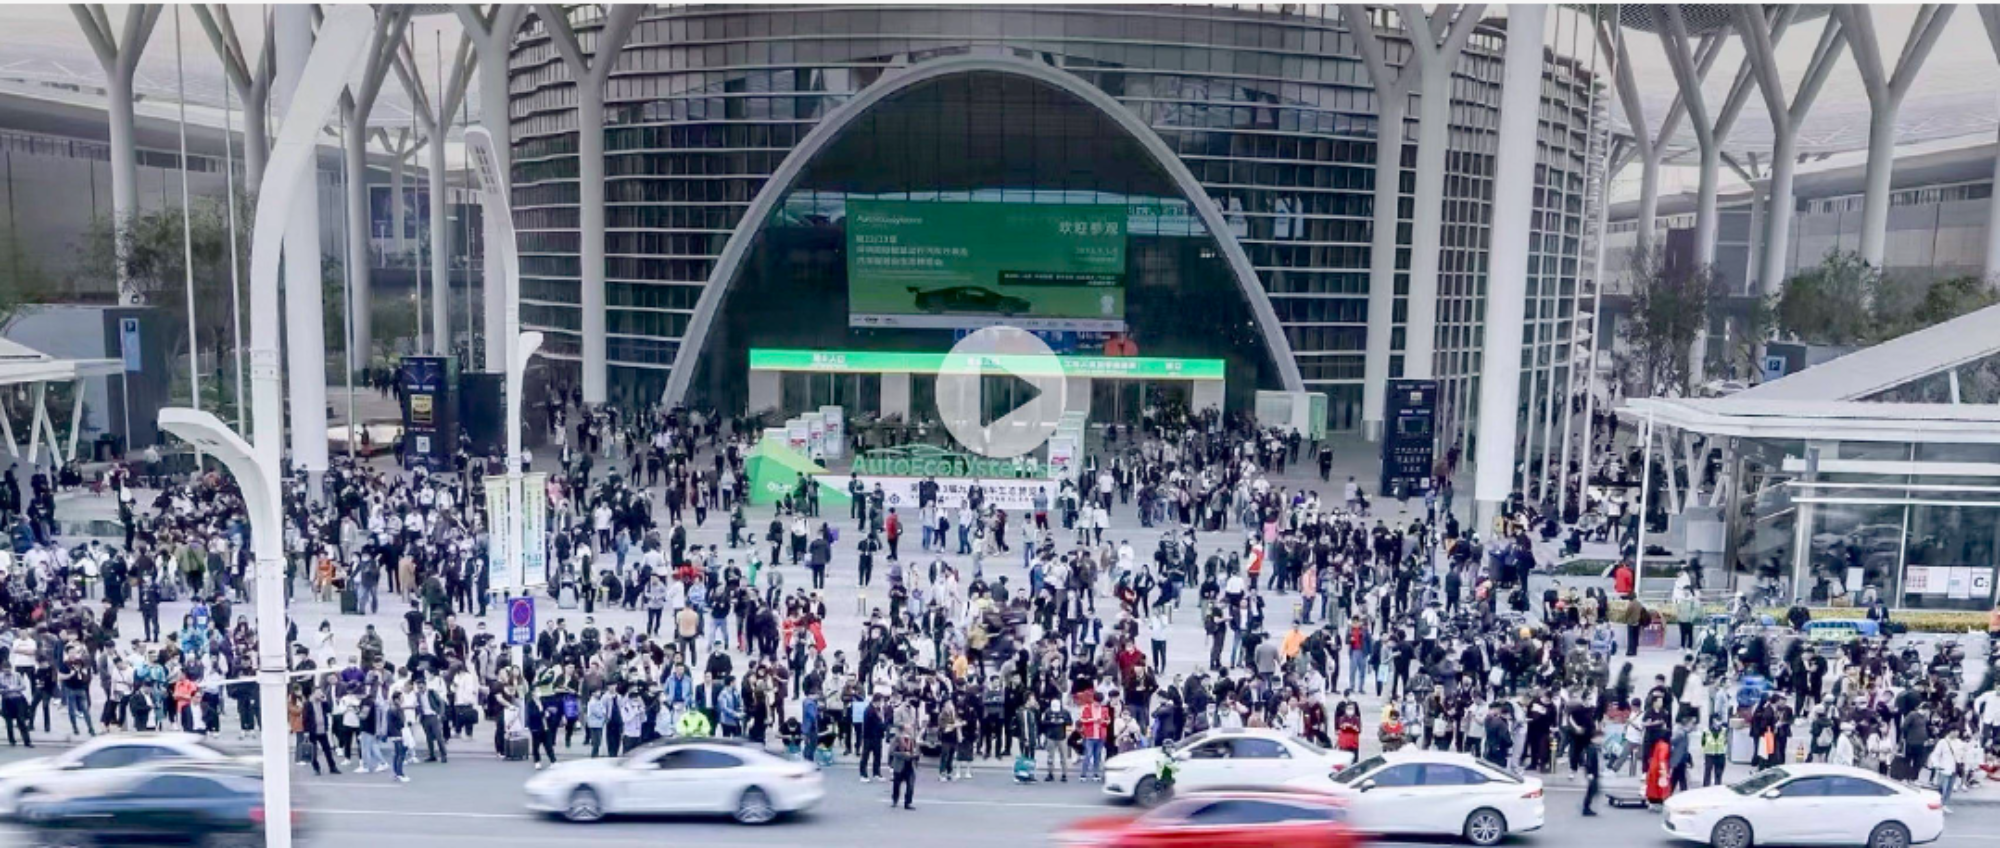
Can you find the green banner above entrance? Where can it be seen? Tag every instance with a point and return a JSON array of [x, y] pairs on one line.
[[878, 362]]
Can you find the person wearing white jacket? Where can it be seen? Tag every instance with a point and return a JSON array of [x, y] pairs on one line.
[[1950, 759]]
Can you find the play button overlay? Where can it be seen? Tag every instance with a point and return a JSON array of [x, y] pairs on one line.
[[1001, 392]]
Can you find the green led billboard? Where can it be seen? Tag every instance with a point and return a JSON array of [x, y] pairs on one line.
[[951, 265]]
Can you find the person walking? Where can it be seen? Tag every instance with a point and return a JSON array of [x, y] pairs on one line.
[[1591, 768], [903, 757]]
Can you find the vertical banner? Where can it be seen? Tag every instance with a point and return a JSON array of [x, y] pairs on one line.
[[499, 568], [1409, 440], [798, 435], [534, 527], [1062, 457], [836, 431]]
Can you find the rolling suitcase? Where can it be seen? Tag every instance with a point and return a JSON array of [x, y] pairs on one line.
[[517, 747], [350, 604]]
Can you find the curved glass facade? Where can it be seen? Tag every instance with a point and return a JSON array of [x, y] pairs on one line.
[[1271, 110], [985, 138]]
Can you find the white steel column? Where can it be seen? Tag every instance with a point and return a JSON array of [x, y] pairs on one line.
[[354, 146], [589, 75], [1433, 137], [1759, 41], [1507, 269], [1886, 89], [252, 83], [1991, 16], [434, 117], [1392, 106], [492, 35], [305, 331], [1651, 149], [355, 107], [119, 58]]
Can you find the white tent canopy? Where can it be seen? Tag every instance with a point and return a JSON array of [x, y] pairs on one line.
[[23, 365]]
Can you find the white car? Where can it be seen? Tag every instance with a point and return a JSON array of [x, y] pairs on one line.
[[1434, 792], [679, 776], [115, 751], [1240, 758], [1808, 804]]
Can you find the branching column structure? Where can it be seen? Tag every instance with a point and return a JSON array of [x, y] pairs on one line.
[[434, 118], [355, 105], [1990, 15], [1710, 134], [1886, 89], [1759, 41], [119, 56], [589, 74], [1650, 149], [252, 84], [1392, 104], [492, 32]]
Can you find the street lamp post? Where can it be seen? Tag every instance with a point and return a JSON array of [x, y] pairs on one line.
[[287, 176], [261, 488], [518, 347]]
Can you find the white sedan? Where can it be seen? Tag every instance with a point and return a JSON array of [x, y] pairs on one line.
[[1434, 792], [1239, 758], [115, 751], [693, 776], [1808, 804]]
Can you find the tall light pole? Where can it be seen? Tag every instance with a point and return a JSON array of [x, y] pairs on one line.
[[517, 346], [341, 39]]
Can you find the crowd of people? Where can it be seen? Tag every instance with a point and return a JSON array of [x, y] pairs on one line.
[[1043, 640]]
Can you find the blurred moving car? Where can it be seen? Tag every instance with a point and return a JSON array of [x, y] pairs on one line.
[[174, 803], [679, 776], [1222, 819], [1240, 757], [1434, 792], [27, 778], [1808, 804]]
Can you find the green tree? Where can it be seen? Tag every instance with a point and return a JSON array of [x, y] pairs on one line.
[[156, 263], [1951, 297], [1830, 303], [23, 282], [1670, 304]]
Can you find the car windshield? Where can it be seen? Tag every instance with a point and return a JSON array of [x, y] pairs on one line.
[[1354, 772], [1760, 781]]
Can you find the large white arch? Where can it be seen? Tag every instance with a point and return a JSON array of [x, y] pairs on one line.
[[830, 128]]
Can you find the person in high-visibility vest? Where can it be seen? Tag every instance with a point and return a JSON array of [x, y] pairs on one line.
[[693, 724], [1714, 751]]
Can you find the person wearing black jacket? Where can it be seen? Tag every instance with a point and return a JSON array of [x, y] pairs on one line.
[[874, 729], [1591, 767]]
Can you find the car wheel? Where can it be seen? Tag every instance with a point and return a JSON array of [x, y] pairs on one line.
[[1150, 792], [1731, 832], [584, 806], [234, 840], [755, 807], [1889, 835], [1485, 827]]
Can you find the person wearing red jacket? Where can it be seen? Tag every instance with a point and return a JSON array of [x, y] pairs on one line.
[[892, 529], [1093, 724]]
